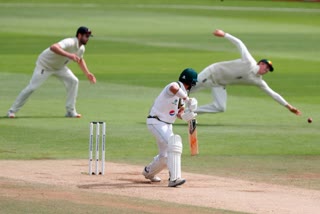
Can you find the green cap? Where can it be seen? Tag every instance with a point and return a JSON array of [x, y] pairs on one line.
[[189, 77], [268, 62]]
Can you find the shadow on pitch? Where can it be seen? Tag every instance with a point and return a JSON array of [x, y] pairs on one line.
[[123, 184]]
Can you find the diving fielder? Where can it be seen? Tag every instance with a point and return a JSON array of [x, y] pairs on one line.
[[166, 108], [243, 71]]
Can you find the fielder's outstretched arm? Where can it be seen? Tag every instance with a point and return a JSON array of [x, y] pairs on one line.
[[293, 109], [244, 52], [277, 97]]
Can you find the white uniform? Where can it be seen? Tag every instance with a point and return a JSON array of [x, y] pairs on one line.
[[162, 115], [240, 71], [50, 63]]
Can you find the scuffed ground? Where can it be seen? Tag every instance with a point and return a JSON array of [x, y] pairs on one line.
[[126, 180]]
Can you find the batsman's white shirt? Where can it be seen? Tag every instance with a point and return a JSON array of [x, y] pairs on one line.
[[52, 61], [240, 71], [165, 106]]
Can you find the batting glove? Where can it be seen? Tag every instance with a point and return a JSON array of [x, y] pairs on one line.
[[192, 104], [188, 116]]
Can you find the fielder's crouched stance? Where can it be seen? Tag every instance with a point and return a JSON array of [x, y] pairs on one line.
[[166, 108]]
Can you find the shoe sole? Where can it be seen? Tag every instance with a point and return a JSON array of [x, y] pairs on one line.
[[155, 179], [77, 116], [177, 184]]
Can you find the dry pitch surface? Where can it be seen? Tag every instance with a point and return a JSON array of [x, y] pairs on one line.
[[126, 180]]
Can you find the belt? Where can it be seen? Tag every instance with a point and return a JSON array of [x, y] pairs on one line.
[[156, 117]]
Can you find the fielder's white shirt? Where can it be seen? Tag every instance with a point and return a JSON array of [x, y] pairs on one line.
[[52, 61], [241, 71], [165, 106]]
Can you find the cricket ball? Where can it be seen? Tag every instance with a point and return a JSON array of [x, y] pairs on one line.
[[309, 120]]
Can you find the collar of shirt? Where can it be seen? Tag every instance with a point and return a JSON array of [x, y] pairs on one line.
[[256, 69], [182, 86]]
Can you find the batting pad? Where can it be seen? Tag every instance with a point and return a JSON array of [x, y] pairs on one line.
[[174, 157]]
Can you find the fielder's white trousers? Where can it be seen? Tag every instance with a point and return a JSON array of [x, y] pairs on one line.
[[219, 93], [39, 76]]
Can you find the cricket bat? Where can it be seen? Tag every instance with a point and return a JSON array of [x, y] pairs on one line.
[[193, 139]]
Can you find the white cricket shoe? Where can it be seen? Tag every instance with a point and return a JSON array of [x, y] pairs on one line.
[[177, 182], [11, 114], [153, 178], [73, 114]]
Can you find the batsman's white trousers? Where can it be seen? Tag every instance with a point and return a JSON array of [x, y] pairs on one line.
[[39, 76], [162, 133], [219, 93]]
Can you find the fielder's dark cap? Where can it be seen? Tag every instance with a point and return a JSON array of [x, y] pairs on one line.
[[268, 62], [84, 30]]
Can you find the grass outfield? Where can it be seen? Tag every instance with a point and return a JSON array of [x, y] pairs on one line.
[[140, 46]]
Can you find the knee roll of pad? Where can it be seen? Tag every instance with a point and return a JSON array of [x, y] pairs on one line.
[[175, 144]]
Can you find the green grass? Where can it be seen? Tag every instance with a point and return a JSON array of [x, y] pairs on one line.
[[140, 46]]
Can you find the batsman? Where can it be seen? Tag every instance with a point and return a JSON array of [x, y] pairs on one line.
[[169, 105]]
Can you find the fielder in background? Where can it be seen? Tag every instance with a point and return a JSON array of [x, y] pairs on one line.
[[243, 71], [166, 108], [53, 61]]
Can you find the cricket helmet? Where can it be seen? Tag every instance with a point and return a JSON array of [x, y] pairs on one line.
[[189, 77]]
